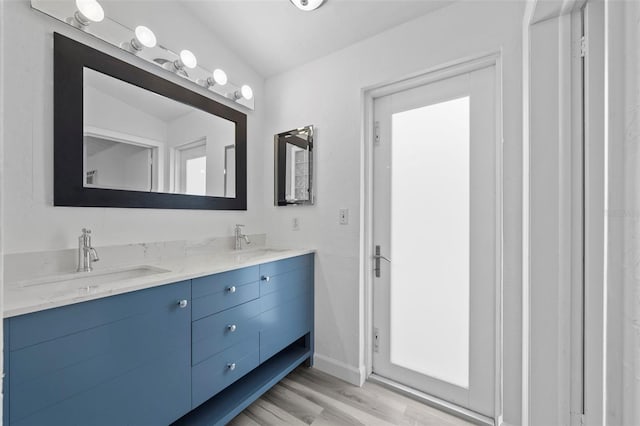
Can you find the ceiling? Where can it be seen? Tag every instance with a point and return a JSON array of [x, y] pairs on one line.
[[273, 36]]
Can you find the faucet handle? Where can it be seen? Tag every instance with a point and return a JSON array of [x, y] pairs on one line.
[[86, 231], [239, 226]]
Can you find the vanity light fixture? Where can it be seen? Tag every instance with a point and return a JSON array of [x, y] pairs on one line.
[[218, 78], [186, 59], [142, 42], [88, 11], [307, 5], [144, 37], [245, 92]]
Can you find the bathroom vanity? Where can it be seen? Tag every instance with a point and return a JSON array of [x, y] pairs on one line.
[[194, 345]]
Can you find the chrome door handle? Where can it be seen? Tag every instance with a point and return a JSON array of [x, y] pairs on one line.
[[377, 256]]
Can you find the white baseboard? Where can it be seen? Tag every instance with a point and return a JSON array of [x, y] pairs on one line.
[[348, 373]]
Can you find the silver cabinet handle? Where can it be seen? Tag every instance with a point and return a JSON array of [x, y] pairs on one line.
[[231, 328], [266, 278], [231, 366], [231, 289], [183, 303]]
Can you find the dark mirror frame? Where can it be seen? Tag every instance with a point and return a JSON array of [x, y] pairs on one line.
[[70, 59], [280, 166]]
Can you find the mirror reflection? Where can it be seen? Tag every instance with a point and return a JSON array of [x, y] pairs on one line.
[[135, 139], [294, 166]]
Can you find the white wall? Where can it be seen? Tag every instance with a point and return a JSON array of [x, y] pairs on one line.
[[329, 94], [3, 100], [110, 113], [623, 215], [631, 297], [121, 166], [30, 221]]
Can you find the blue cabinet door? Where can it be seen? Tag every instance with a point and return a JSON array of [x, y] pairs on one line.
[[287, 304], [122, 360]]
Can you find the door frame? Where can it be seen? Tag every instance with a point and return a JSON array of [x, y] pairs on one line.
[[368, 95]]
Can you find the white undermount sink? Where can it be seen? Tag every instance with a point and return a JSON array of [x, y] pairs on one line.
[[88, 282], [243, 256]]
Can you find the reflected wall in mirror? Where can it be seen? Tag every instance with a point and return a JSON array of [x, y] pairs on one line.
[[294, 167], [125, 137], [138, 140]]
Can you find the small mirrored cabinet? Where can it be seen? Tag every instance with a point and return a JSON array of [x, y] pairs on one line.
[[294, 167]]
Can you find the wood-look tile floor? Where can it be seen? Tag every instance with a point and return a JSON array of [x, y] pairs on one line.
[[310, 397]]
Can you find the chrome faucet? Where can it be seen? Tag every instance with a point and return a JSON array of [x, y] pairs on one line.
[[240, 236], [86, 253]]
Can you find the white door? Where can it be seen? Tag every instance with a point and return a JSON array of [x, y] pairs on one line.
[[192, 167], [436, 221]]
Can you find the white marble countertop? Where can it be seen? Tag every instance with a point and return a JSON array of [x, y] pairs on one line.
[[22, 297]]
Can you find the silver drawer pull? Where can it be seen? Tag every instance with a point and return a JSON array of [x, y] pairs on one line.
[[231, 289], [266, 278], [231, 366], [183, 303], [231, 328]]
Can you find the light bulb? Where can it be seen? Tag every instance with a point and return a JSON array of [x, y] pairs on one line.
[[220, 77], [144, 37], [89, 11], [307, 5], [188, 59], [246, 91]]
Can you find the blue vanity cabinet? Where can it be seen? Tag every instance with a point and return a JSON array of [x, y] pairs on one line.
[[120, 360], [272, 334], [286, 293], [195, 352]]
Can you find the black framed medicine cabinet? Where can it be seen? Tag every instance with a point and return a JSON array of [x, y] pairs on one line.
[[124, 137]]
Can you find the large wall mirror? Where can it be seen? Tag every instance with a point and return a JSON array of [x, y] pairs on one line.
[[127, 138], [294, 167]]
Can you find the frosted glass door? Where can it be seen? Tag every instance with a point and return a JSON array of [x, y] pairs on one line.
[[430, 203], [435, 219]]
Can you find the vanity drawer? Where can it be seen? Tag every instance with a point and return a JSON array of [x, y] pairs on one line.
[[228, 297], [216, 373], [284, 287], [284, 324], [218, 332], [281, 266], [219, 282]]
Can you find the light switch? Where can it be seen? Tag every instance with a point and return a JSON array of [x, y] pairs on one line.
[[295, 224], [343, 214]]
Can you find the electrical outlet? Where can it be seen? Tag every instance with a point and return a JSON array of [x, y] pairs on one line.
[[343, 214], [295, 224]]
